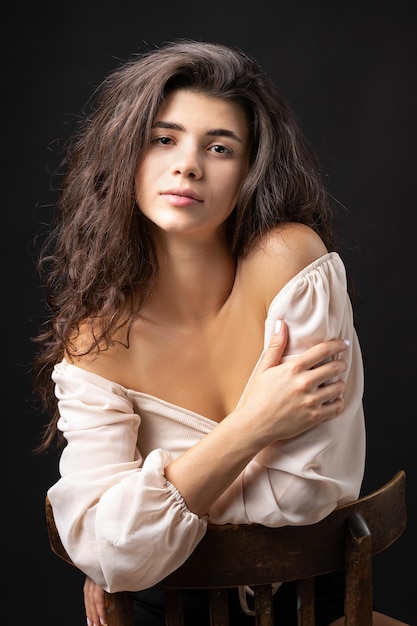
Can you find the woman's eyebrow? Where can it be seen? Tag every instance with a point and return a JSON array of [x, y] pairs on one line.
[[223, 132], [213, 132], [170, 125]]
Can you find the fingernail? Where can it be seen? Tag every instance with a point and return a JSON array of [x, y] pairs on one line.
[[346, 342], [88, 622], [278, 325]]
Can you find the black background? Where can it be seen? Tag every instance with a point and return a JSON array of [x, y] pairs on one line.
[[349, 71]]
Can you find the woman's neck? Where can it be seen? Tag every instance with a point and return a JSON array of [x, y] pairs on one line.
[[194, 282]]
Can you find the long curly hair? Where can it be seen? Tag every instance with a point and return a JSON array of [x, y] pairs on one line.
[[98, 261]]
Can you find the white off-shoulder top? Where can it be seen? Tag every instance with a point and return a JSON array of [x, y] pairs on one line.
[[126, 526]]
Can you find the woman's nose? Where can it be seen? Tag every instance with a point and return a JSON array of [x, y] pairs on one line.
[[188, 163]]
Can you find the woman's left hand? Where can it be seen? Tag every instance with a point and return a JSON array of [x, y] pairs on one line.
[[95, 609]]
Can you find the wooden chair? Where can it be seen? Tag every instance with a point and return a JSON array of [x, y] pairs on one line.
[[257, 556]]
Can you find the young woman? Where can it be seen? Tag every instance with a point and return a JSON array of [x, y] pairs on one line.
[[201, 362]]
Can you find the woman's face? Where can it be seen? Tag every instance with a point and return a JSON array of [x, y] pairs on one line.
[[189, 179]]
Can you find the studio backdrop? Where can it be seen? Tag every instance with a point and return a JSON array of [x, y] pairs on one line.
[[349, 71]]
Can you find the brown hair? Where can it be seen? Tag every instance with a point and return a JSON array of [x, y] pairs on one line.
[[98, 259]]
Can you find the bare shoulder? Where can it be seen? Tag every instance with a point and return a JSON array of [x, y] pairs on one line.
[[278, 256], [107, 361], [297, 245]]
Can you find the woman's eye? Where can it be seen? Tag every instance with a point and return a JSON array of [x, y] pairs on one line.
[[220, 149], [162, 140]]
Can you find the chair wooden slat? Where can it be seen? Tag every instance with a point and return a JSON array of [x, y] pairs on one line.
[[264, 609], [174, 614], [218, 606], [305, 602], [358, 593]]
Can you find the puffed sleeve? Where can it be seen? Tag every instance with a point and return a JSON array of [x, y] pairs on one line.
[[299, 481], [120, 520]]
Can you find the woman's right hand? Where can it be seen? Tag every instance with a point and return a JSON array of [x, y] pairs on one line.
[[290, 397]]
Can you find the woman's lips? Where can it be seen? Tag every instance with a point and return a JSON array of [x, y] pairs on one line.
[[181, 197]]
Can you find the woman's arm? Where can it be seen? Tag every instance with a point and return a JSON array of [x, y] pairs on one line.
[[281, 401], [301, 479], [123, 519]]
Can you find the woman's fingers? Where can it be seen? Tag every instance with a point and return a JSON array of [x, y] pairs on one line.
[[322, 382], [328, 372], [287, 397], [322, 360], [324, 352], [275, 350], [94, 604]]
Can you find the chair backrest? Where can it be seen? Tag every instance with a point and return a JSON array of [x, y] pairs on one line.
[[256, 556]]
